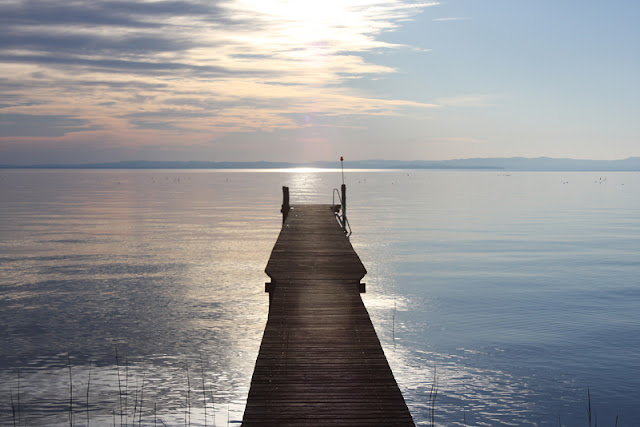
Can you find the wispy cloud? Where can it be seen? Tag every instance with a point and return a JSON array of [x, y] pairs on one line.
[[453, 18], [49, 125], [116, 68]]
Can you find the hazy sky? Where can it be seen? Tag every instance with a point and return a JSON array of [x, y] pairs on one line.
[[105, 80]]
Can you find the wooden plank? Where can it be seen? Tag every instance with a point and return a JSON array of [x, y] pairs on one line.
[[320, 361]]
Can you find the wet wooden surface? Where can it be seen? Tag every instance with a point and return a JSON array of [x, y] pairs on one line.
[[320, 361]]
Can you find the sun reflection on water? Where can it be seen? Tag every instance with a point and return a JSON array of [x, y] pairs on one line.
[[473, 275]]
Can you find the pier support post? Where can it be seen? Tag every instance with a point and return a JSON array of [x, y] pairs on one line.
[[285, 204]]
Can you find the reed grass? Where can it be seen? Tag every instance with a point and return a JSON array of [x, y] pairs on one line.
[[126, 391], [188, 403], [589, 412], [135, 403], [75, 408], [393, 326], [13, 408], [77, 404], [433, 394], [119, 384], [88, 387], [204, 391], [16, 413], [213, 405], [141, 400], [18, 398], [70, 389]]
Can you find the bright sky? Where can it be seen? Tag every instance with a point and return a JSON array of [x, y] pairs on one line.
[[244, 80]]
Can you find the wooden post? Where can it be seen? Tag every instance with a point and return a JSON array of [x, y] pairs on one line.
[[344, 208], [268, 288], [285, 204]]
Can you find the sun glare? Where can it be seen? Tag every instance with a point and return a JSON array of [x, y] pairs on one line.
[[329, 25], [308, 170]]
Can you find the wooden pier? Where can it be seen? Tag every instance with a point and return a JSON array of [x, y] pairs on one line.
[[320, 361]]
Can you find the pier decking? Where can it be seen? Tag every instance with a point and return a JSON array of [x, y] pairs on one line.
[[320, 361]]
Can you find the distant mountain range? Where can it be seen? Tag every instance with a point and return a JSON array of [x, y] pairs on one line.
[[512, 163]]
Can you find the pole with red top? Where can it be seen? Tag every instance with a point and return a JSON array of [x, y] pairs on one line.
[[344, 198]]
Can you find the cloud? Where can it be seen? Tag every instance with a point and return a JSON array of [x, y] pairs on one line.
[[453, 18], [50, 125], [190, 66], [139, 14]]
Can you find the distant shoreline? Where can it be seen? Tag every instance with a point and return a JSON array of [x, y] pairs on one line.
[[630, 164]]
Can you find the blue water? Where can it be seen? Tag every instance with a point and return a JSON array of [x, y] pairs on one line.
[[517, 291]]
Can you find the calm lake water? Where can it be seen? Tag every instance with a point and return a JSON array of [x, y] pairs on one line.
[[518, 291]]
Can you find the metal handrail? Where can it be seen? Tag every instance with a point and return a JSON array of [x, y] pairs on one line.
[[342, 220]]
